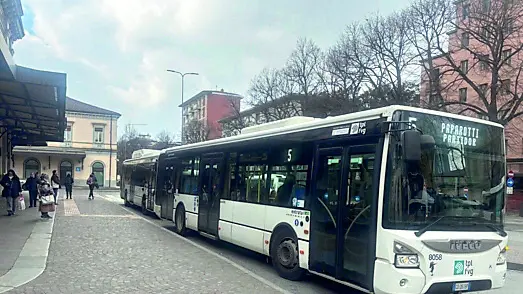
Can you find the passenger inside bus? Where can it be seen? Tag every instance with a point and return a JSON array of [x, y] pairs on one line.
[[283, 196]]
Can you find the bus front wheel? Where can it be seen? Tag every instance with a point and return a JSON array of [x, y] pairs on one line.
[[179, 220], [284, 255]]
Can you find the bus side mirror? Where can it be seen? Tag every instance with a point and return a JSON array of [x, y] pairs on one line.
[[411, 145]]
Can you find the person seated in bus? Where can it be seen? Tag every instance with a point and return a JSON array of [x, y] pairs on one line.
[[285, 191]]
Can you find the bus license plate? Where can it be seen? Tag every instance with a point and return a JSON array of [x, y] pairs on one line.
[[461, 286]]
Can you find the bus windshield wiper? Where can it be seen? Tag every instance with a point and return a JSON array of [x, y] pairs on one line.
[[497, 229], [427, 227]]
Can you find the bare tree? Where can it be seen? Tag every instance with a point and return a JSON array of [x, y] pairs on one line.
[[164, 140], [235, 122], [390, 52], [485, 58], [303, 67], [268, 92], [429, 21], [196, 131]]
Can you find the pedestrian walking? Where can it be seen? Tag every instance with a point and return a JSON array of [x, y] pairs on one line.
[[69, 181], [31, 185], [45, 192], [55, 184], [92, 182], [12, 190]]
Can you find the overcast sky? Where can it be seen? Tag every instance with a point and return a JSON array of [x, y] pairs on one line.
[[116, 52]]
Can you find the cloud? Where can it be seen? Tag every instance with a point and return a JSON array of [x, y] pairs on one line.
[[116, 52]]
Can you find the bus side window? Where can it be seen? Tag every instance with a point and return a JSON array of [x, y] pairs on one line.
[[230, 188]]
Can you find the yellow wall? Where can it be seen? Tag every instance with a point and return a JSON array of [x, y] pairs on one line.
[[52, 162], [82, 127]]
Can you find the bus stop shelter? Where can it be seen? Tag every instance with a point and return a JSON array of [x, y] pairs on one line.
[[32, 111]]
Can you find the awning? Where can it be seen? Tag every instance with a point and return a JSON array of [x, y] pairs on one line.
[[59, 151], [32, 107]]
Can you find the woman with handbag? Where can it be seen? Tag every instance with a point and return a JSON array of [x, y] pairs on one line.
[[45, 194]]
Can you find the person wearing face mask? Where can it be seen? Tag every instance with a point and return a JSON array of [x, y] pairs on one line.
[[12, 190]]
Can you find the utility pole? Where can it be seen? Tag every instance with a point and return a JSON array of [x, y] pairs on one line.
[[183, 76]]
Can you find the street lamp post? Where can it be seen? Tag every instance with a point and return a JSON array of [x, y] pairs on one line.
[[183, 76]]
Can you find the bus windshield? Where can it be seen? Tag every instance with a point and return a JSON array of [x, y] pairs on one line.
[[460, 182]]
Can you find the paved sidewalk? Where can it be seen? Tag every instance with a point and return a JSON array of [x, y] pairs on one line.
[[24, 246], [98, 247]]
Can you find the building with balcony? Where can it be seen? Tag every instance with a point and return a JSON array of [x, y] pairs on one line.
[[32, 102], [205, 110], [89, 145]]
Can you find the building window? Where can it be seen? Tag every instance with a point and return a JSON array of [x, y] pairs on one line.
[[464, 40], [31, 165], [98, 135], [505, 87], [508, 27], [485, 7], [465, 11], [506, 56], [464, 66], [463, 95], [483, 88], [68, 135], [483, 62], [435, 99]]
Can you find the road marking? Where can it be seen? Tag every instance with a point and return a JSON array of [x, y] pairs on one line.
[[239, 267], [70, 208], [111, 216]]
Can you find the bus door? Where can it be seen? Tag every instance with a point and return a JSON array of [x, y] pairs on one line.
[[151, 188], [342, 194], [211, 187], [166, 196]]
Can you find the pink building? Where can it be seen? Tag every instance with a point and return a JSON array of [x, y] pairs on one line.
[[474, 58], [207, 108]]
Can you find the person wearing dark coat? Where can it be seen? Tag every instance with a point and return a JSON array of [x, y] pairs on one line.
[[31, 185], [69, 186], [12, 190]]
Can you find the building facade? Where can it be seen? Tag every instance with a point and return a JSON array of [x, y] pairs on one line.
[[204, 111], [89, 146], [469, 49]]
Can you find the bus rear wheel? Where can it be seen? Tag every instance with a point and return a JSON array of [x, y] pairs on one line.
[[284, 255], [179, 220]]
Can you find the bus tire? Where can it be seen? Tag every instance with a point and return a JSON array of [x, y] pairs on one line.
[[179, 220], [284, 255]]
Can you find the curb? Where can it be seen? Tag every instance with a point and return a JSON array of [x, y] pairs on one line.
[[515, 266], [32, 260]]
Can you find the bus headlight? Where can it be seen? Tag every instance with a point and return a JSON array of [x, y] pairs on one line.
[[502, 256], [404, 256]]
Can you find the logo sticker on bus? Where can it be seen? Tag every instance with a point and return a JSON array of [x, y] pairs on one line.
[[463, 267]]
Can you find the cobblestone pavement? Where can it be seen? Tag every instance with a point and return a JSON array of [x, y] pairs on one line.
[[98, 247], [105, 249]]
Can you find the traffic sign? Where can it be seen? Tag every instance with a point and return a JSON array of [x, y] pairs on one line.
[[510, 174], [510, 182]]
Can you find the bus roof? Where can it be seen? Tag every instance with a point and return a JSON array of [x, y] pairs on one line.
[[286, 126], [143, 156]]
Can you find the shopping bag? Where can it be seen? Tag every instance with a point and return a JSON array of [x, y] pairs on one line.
[[21, 203], [46, 200]]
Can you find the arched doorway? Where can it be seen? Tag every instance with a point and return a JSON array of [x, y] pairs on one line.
[[31, 165], [98, 170], [66, 167]]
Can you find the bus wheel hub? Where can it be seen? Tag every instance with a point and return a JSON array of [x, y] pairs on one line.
[[287, 253]]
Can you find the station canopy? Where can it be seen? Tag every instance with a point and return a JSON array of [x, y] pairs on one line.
[[32, 106]]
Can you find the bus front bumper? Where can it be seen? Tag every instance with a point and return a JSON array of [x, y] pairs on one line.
[[392, 280]]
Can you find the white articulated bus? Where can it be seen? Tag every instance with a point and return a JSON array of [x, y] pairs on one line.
[[139, 180], [390, 200]]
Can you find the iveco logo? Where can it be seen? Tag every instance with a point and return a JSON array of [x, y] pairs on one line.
[[465, 245]]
